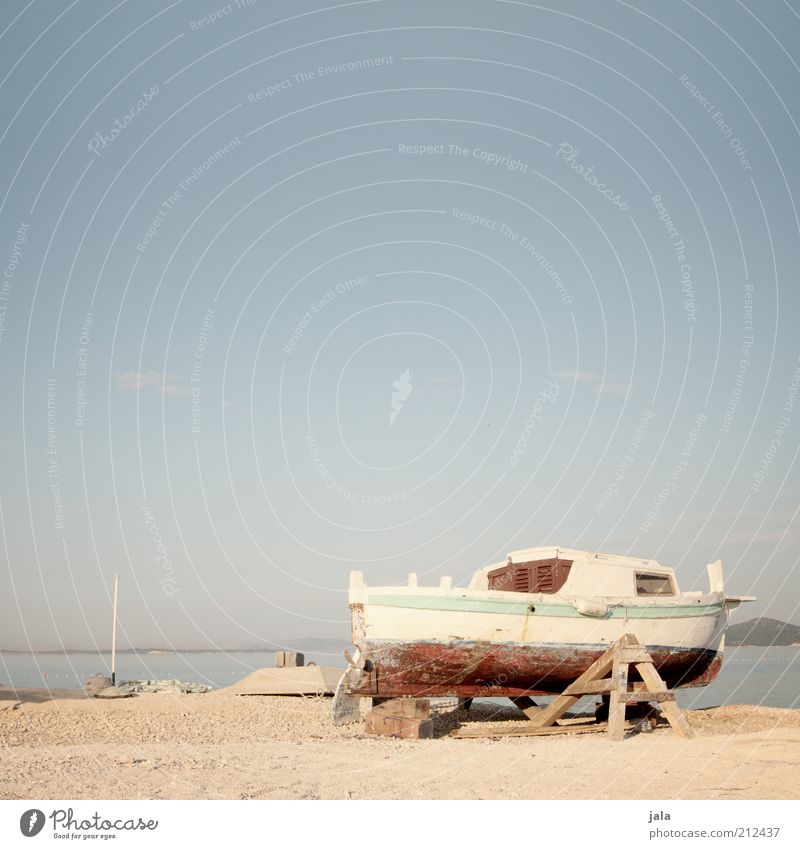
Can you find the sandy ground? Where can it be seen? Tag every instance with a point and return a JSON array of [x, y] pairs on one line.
[[219, 746]]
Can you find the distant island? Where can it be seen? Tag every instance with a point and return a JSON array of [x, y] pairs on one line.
[[763, 632], [320, 645]]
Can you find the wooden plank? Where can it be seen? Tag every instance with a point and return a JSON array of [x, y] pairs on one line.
[[616, 709], [526, 729], [604, 685], [527, 705], [561, 704], [642, 696], [670, 709], [555, 710], [636, 655]]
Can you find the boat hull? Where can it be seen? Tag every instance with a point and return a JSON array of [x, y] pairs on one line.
[[534, 629], [476, 669], [500, 644]]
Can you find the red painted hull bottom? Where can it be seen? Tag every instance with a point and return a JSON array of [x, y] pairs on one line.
[[483, 669]]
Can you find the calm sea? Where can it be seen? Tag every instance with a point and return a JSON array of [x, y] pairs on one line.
[[750, 675], [70, 671]]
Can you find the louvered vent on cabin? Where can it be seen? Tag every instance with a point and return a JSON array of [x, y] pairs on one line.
[[533, 576], [521, 578], [545, 578]]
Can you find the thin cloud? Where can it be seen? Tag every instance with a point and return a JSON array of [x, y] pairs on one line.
[[595, 381], [128, 381]]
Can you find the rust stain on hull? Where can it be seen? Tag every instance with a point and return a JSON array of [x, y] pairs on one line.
[[482, 669]]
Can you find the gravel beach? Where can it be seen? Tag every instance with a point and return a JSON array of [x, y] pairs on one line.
[[218, 745]]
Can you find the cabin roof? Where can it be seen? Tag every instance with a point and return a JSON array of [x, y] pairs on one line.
[[590, 573], [550, 552]]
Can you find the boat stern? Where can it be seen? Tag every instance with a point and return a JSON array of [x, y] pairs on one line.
[[716, 584]]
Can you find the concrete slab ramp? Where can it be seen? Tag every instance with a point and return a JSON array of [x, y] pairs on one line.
[[289, 681]]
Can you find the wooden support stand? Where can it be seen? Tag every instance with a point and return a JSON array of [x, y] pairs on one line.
[[614, 663]]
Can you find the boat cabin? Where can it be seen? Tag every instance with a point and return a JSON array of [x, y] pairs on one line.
[[580, 573]]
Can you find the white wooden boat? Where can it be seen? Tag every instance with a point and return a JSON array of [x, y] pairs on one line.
[[532, 625]]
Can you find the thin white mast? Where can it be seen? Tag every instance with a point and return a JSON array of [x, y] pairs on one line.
[[114, 634]]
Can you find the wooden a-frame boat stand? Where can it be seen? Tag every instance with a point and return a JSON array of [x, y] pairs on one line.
[[607, 676]]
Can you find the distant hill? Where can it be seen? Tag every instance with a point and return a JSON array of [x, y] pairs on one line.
[[321, 645], [763, 632]]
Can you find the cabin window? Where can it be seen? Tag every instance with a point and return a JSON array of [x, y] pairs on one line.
[[533, 576], [650, 584]]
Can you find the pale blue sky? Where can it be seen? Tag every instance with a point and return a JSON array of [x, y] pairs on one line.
[[549, 217]]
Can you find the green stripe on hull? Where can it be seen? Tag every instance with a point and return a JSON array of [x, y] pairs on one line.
[[564, 611]]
